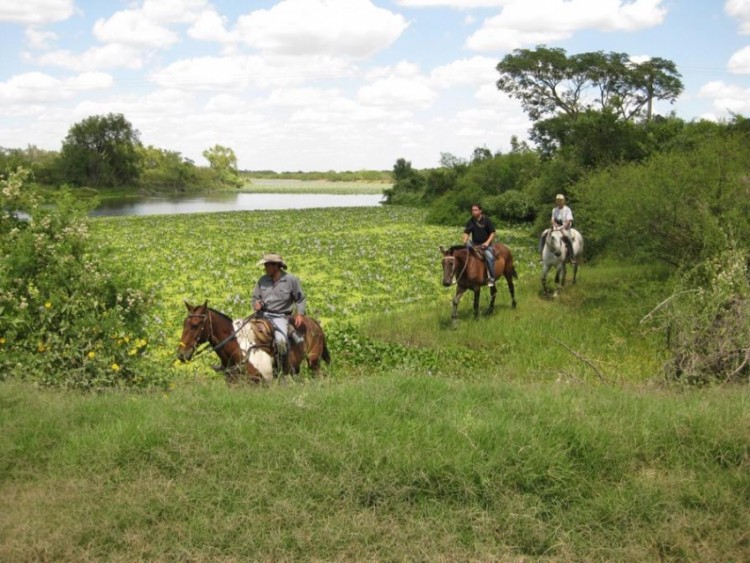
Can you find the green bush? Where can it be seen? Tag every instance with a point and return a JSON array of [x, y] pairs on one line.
[[681, 207], [513, 205], [67, 318]]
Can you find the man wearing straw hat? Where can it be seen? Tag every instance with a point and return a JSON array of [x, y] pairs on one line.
[[277, 294], [562, 219]]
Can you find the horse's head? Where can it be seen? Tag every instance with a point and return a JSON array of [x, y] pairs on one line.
[[555, 243], [194, 330], [449, 266]]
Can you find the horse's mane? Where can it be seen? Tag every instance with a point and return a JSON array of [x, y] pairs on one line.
[[219, 313], [455, 247]]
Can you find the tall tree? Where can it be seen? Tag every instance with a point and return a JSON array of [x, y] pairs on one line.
[[221, 158], [101, 151], [548, 82]]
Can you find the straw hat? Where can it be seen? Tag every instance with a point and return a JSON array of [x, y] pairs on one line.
[[271, 259], [559, 197]]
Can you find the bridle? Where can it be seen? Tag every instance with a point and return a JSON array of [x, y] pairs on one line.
[[452, 260], [206, 317]]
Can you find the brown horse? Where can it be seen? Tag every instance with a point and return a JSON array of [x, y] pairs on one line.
[[256, 361], [470, 272]]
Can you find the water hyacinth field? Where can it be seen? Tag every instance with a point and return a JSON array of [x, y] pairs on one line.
[[353, 262]]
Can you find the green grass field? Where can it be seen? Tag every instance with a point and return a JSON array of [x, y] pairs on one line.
[[545, 432]]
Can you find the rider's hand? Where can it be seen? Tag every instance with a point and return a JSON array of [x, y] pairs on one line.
[[297, 321], [258, 305]]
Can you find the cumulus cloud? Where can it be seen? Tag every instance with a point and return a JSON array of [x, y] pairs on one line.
[[726, 97], [36, 12], [40, 87], [209, 26], [739, 62], [531, 22], [38, 39], [739, 9], [459, 4], [97, 58], [473, 71], [133, 27], [237, 72], [397, 91], [174, 11], [348, 28]]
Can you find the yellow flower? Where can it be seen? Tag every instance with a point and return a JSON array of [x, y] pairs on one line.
[[48, 305], [2, 340], [115, 367], [92, 355]]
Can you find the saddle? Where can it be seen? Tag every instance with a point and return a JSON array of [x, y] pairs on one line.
[[479, 253]]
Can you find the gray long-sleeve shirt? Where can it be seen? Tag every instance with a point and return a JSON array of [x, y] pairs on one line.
[[282, 296]]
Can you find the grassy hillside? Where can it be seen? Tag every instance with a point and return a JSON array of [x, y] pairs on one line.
[[545, 432]]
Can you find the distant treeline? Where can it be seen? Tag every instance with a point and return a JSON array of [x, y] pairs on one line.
[[384, 176]]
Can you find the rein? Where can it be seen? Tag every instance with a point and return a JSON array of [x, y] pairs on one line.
[[221, 344]]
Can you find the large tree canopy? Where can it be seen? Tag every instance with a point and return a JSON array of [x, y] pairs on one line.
[[548, 82], [101, 151]]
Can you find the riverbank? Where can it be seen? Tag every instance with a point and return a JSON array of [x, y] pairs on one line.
[[253, 185]]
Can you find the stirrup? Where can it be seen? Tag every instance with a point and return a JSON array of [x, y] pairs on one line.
[[490, 282]]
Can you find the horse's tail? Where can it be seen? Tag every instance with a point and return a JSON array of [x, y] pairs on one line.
[[326, 354], [515, 274]]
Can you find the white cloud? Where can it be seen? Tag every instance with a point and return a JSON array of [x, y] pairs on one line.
[[739, 9], [473, 71], [39, 87], [458, 4], [239, 71], [38, 39], [739, 62], [347, 28], [133, 27], [727, 98], [210, 73], [97, 58], [531, 22], [209, 26], [396, 91], [173, 11], [36, 12]]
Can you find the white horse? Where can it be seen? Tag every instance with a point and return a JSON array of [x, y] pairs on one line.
[[555, 255]]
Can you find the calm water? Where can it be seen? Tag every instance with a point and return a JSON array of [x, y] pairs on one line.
[[232, 202]]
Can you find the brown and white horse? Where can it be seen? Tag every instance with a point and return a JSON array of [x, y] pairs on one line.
[[246, 351], [469, 270]]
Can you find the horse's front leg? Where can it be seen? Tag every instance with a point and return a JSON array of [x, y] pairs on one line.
[[476, 303], [454, 312], [575, 272], [545, 272]]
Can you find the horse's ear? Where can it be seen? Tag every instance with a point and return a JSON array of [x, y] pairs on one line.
[[442, 250], [205, 304], [188, 305]]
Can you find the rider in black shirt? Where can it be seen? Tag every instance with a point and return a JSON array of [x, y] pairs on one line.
[[481, 231]]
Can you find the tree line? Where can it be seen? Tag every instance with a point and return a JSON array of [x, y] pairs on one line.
[[105, 151]]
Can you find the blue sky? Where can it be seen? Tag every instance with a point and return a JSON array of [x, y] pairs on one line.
[[335, 84]]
